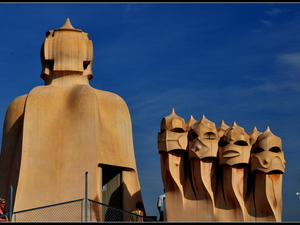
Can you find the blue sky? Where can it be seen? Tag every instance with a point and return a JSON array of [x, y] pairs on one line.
[[237, 62]]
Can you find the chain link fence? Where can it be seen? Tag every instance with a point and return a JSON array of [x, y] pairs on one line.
[[71, 211], [105, 213], [74, 211]]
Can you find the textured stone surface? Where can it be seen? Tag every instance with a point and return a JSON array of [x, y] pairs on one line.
[[59, 131], [222, 174]]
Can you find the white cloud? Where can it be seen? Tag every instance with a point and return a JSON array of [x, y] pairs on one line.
[[275, 12], [266, 22], [290, 59]]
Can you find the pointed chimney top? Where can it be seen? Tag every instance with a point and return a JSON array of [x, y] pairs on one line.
[[68, 26]]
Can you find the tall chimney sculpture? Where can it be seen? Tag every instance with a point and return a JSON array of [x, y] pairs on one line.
[[219, 174], [62, 130]]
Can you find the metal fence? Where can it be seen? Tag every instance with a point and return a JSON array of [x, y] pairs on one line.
[[111, 214], [80, 210], [75, 211], [71, 211]]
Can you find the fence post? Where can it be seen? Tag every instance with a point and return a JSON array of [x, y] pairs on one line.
[[164, 209], [10, 203], [86, 196]]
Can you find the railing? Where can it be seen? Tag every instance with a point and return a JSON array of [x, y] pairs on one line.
[[80, 210], [71, 211], [74, 211]]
